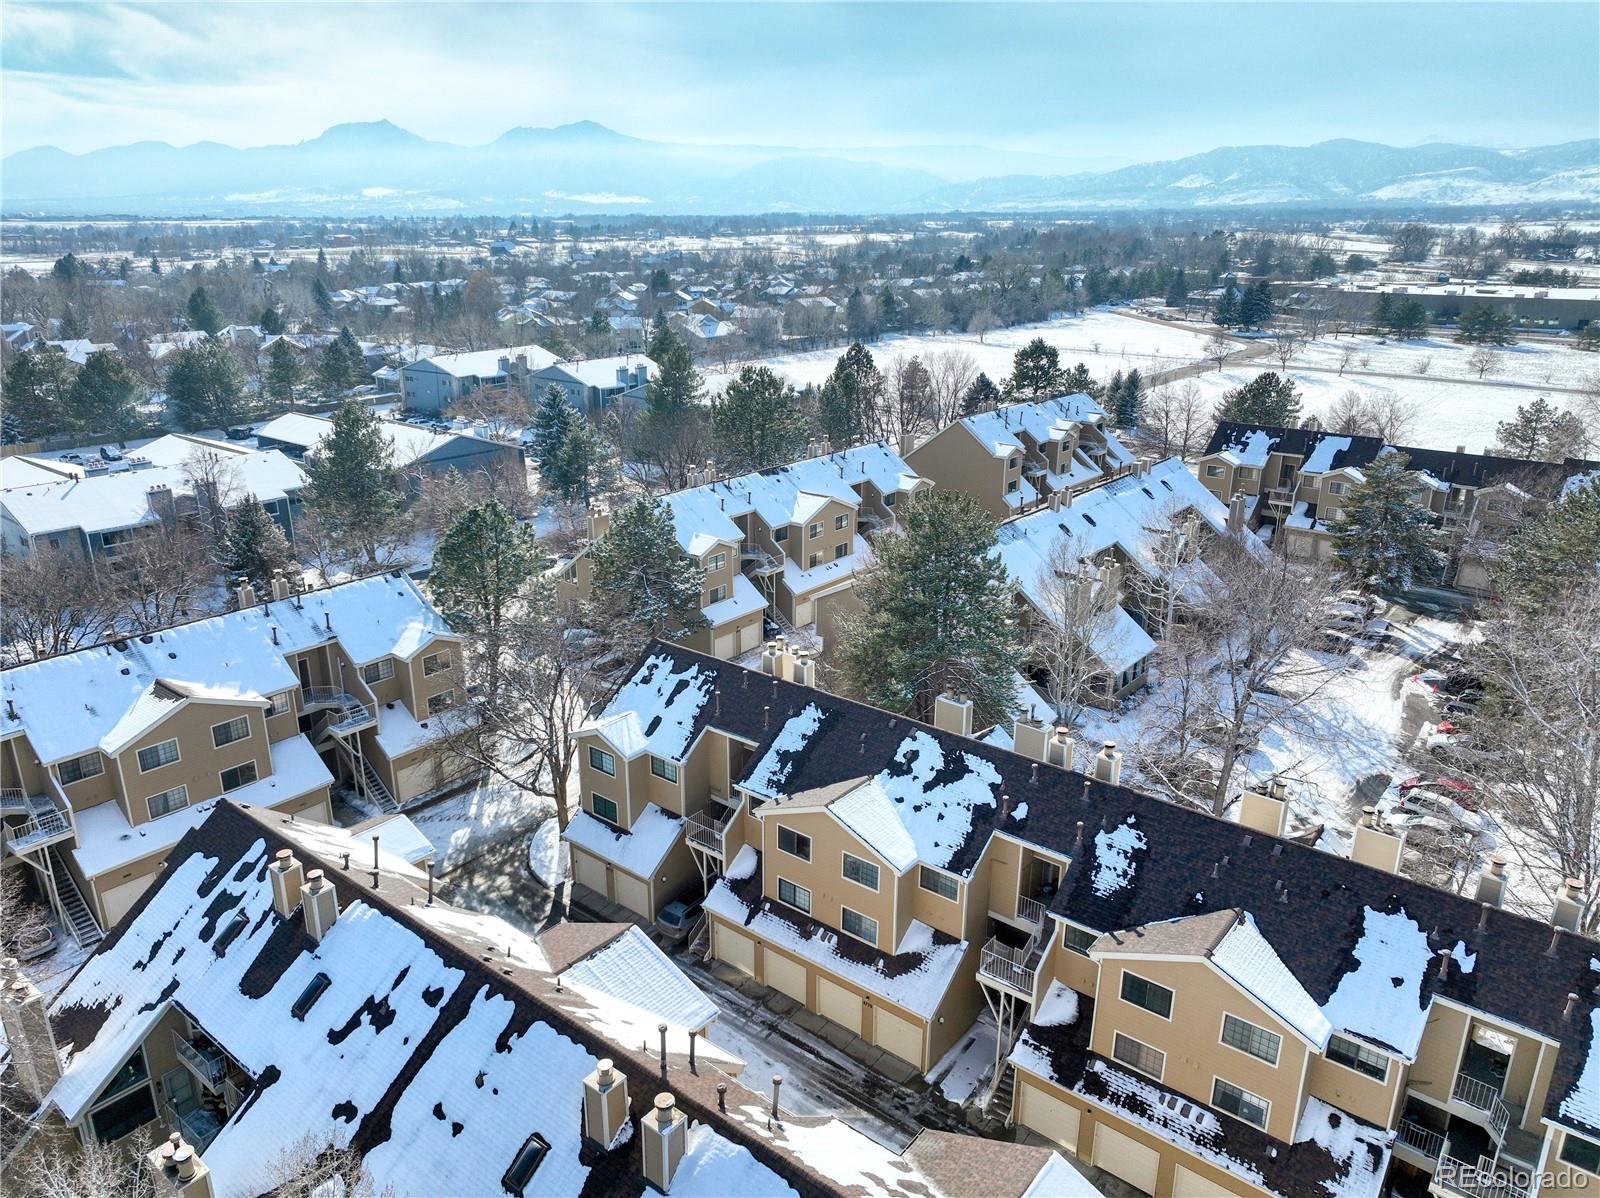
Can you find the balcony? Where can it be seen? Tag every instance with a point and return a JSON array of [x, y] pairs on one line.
[[208, 1064], [1421, 1140], [1280, 497], [1016, 969], [46, 824], [1481, 1180], [198, 1125], [759, 560], [707, 833], [1481, 1096], [1030, 911], [342, 712]]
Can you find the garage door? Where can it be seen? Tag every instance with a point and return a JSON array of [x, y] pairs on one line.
[[1188, 1184], [118, 900], [838, 1004], [632, 893], [897, 1035], [1048, 1115], [750, 636], [1126, 1158], [589, 871], [787, 976], [725, 645], [736, 949], [805, 612]]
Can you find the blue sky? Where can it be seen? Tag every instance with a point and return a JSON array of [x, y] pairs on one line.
[[1130, 81]]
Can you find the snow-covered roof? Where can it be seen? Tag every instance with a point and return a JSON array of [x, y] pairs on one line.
[[631, 967], [398, 835], [1251, 448], [485, 363], [1581, 1104], [1000, 430], [741, 601], [602, 372], [654, 711], [1381, 999], [1244, 955], [1320, 460], [410, 443], [68, 704], [638, 850]]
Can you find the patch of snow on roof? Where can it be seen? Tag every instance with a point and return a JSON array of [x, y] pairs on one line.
[[715, 1167], [638, 850], [1381, 998], [1253, 450], [633, 969], [1045, 420], [744, 864], [1245, 956], [1059, 1178], [1465, 961], [1582, 1102], [656, 709], [1113, 857], [777, 763], [1320, 459], [1059, 1007], [1363, 1150], [1175, 1119]]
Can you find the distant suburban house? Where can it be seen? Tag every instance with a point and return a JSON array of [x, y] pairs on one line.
[[435, 383], [595, 382], [415, 448]]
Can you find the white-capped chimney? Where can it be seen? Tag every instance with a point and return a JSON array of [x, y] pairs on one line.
[[321, 904], [605, 1103], [1108, 764], [177, 1169], [664, 1132], [1375, 844], [1059, 749], [34, 1056], [280, 585], [1567, 913], [805, 668], [288, 877], [1492, 882], [953, 713]]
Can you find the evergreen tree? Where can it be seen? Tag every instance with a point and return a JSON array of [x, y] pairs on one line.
[[334, 375], [1554, 553], [73, 326], [320, 295], [1112, 398], [582, 467], [350, 488], [1384, 539], [937, 613], [981, 396], [891, 312], [484, 567], [203, 313], [1382, 312], [285, 373], [271, 321], [1226, 314], [677, 383], [757, 422], [1129, 400], [106, 395], [1482, 325], [1078, 381], [254, 547], [1036, 372], [67, 268], [1266, 399], [1540, 431], [553, 418], [848, 404], [641, 583], [1255, 306], [205, 387], [1178, 290], [38, 387], [859, 324], [1408, 320]]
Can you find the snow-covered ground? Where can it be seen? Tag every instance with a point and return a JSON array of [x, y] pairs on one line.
[[1104, 340], [466, 824], [969, 1062], [1534, 363]]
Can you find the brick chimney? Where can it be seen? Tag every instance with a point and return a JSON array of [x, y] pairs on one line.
[[321, 904], [605, 1103], [34, 1055], [1492, 883], [1265, 809], [664, 1133], [178, 1169], [953, 713], [1375, 844], [1568, 909], [288, 877], [1108, 764]]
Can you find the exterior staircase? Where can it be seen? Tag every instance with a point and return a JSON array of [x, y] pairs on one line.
[[799, 638], [80, 920], [372, 786], [999, 1106]]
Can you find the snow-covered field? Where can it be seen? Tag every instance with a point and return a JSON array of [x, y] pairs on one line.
[[1533, 363], [1103, 340]]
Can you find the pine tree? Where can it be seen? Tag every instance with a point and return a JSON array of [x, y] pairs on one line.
[[1482, 325], [334, 375], [849, 401], [1226, 313], [1130, 399], [859, 324], [1554, 553], [757, 422], [203, 314], [254, 547], [1408, 320], [1036, 372], [105, 396], [285, 373], [1534, 431], [1177, 290], [205, 387], [981, 396], [1078, 381], [320, 295], [677, 384], [1266, 399], [73, 326], [350, 488], [1384, 539], [937, 613], [37, 392], [483, 568], [1255, 306], [1112, 398], [271, 321], [1382, 312], [553, 418], [642, 585]]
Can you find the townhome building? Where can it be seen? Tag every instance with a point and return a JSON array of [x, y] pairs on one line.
[[109, 754], [1296, 480], [1015, 457], [592, 383], [267, 994], [776, 543], [433, 384], [416, 450], [1196, 1005], [1136, 547]]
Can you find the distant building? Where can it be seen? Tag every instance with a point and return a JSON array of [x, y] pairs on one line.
[[433, 384], [414, 448], [595, 382]]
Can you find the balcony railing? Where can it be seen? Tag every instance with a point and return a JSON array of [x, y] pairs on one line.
[[1420, 1140], [707, 833], [1477, 1181], [199, 1126], [47, 827], [1483, 1097], [206, 1064], [1030, 911], [1280, 497], [1013, 967]]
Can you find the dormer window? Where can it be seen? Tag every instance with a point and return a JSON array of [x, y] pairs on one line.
[[716, 562], [435, 663]]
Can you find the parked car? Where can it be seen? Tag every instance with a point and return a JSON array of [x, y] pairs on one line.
[[75, 458], [676, 918], [1451, 788], [110, 453], [239, 433], [36, 943]]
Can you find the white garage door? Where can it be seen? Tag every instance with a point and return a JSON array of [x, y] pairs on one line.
[[786, 975], [632, 893], [1048, 1115], [589, 871], [736, 949], [1126, 1158], [805, 612], [119, 900], [838, 1004], [897, 1035], [725, 645], [1188, 1184], [750, 636]]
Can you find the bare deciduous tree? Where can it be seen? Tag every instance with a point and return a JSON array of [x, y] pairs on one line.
[[1176, 418], [1217, 349], [1285, 345], [53, 602], [952, 372], [313, 1167], [165, 576], [1071, 622]]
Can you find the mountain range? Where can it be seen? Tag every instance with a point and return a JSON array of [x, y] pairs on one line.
[[581, 168]]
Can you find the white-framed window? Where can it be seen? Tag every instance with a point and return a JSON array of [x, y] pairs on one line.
[[841, 550], [841, 521], [1240, 1103], [664, 769], [441, 702], [1077, 940], [1335, 513], [1335, 488], [153, 757], [716, 595], [862, 873], [167, 801], [781, 534], [76, 769], [1214, 471], [795, 896], [603, 807], [1142, 992], [889, 498], [1138, 1055], [814, 529], [1580, 1153], [379, 671], [939, 883], [813, 561], [862, 927], [1015, 463], [282, 702], [1245, 472], [600, 760], [435, 663], [1346, 1052], [1248, 1038], [716, 561], [229, 731], [239, 775], [794, 843], [1012, 487]]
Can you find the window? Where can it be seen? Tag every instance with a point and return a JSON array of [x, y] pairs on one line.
[[1138, 1055], [237, 776], [853, 923], [79, 768], [716, 561], [1142, 993], [168, 801], [379, 671], [794, 843], [525, 1164], [840, 551], [1241, 1104], [814, 560], [1333, 513], [814, 529], [797, 897], [1011, 487], [941, 884], [281, 702], [1245, 472], [888, 500], [716, 595], [604, 808], [1014, 463], [309, 995], [600, 760], [1335, 488], [1247, 1037], [156, 756], [229, 731], [862, 873], [662, 768], [840, 521], [1346, 1052], [435, 663], [780, 534], [441, 701], [1584, 1154], [1214, 471], [1077, 940]]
